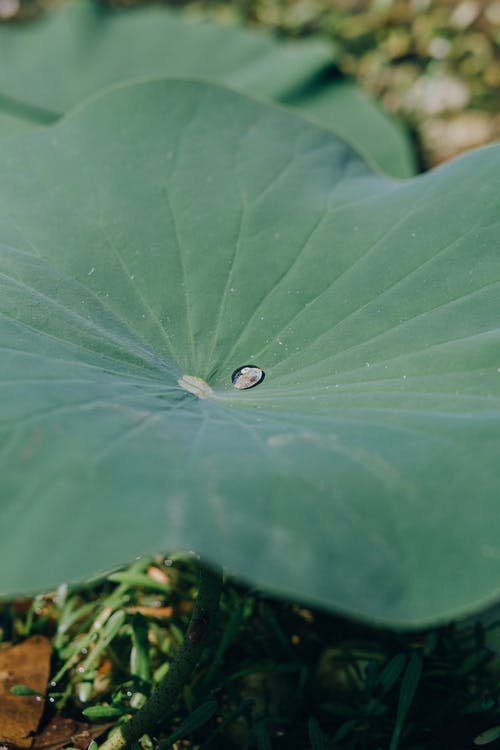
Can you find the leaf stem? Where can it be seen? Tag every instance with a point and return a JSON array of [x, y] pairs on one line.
[[158, 705]]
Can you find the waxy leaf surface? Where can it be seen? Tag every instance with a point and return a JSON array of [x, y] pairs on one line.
[[50, 65], [175, 231]]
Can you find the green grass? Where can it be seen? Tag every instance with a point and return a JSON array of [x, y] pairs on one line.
[[276, 675]]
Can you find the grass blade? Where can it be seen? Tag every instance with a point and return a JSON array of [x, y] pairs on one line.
[[317, 738], [262, 736], [391, 673], [194, 721], [409, 684]]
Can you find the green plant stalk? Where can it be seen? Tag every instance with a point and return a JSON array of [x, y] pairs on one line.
[[158, 705]]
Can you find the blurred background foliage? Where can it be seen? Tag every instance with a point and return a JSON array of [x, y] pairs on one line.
[[433, 63]]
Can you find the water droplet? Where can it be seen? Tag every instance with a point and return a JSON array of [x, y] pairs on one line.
[[247, 377]]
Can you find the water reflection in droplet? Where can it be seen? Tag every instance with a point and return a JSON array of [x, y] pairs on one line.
[[247, 377]]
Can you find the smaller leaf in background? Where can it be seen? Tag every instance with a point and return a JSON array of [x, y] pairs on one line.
[[43, 76], [409, 684], [25, 665], [354, 115]]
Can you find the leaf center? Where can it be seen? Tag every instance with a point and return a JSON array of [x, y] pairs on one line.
[[195, 385]]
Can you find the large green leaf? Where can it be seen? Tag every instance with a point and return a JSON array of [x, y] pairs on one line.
[[174, 228], [10, 124], [71, 53]]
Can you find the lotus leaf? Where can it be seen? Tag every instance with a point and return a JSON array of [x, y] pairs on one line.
[[167, 234]]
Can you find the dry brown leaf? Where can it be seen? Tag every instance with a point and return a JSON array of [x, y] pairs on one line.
[[61, 732], [27, 663], [160, 613], [158, 575]]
